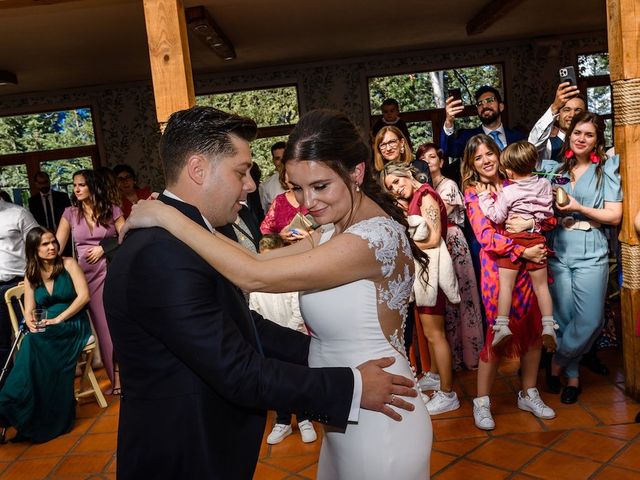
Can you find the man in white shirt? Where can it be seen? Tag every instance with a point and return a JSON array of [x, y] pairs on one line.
[[15, 223], [548, 134], [271, 187]]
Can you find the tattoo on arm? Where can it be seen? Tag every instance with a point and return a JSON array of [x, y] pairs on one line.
[[433, 215]]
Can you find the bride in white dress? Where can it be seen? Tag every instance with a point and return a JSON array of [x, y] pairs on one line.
[[355, 274]]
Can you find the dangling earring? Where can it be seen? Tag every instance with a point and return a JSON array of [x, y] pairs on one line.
[[402, 149], [357, 187], [593, 156], [569, 154]]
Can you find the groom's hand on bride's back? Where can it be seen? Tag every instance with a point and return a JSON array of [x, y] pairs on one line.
[[382, 390]]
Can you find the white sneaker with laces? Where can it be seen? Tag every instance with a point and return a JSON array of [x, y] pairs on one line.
[[307, 432], [442, 402], [534, 404], [549, 338], [280, 432], [482, 413], [429, 381], [501, 330]]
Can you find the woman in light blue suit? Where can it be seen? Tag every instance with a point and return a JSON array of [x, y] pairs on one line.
[[580, 266]]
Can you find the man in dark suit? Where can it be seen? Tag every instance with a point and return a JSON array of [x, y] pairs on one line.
[[490, 106], [47, 205], [198, 369]]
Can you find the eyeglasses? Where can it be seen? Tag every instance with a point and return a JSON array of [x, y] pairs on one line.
[[484, 101], [124, 178], [389, 144]]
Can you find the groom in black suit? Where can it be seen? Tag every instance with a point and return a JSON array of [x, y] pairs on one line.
[[198, 369]]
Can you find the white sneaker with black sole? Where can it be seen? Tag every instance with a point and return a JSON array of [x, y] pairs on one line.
[[280, 432], [482, 413], [442, 402], [531, 402], [307, 432]]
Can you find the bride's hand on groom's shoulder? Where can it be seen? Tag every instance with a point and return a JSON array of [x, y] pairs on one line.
[[382, 390], [145, 214]]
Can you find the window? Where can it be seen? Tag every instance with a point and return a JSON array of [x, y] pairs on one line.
[[594, 81], [58, 142], [421, 96], [275, 110]]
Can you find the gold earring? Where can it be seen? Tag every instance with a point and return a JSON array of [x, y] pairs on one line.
[[402, 149]]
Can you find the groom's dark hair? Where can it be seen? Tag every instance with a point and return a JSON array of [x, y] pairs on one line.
[[200, 130]]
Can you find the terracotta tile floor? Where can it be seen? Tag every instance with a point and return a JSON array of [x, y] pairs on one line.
[[594, 439]]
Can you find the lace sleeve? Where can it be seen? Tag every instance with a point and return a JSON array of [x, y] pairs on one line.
[[385, 238]]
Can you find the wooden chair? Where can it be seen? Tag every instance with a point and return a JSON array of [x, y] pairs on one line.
[[88, 385], [11, 297]]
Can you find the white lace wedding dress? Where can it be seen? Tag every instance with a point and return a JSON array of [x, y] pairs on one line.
[[361, 321]]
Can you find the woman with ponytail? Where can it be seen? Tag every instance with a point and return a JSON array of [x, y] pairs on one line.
[[355, 275], [580, 267]]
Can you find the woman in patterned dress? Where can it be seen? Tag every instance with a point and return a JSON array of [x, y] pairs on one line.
[[481, 163], [463, 321]]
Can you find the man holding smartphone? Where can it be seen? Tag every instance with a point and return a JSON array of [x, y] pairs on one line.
[[490, 106], [548, 134]]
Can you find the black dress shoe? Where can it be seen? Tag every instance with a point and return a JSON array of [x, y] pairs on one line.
[[570, 394], [593, 363], [554, 385]]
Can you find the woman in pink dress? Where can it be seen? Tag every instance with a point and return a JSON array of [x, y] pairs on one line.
[[92, 219], [481, 164], [282, 210], [463, 321]]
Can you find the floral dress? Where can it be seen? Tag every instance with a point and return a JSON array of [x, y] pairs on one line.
[[463, 321], [525, 319]]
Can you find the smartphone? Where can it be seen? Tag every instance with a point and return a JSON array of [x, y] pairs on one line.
[[568, 74], [456, 93]]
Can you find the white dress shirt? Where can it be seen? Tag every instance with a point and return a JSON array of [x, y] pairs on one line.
[[269, 189], [15, 223], [540, 134]]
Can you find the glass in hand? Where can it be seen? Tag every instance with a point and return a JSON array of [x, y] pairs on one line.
[[39, 318]]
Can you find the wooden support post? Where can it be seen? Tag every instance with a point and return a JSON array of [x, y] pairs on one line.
[[623, 24], [169, 56]]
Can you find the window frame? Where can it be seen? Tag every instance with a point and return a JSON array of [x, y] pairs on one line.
[[436, 116], [32, 160]]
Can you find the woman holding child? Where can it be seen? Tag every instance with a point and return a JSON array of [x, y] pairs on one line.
[[481, 166]]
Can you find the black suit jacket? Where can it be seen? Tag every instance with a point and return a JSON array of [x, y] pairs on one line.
[[195, 385], [60, 202], [453, 145]]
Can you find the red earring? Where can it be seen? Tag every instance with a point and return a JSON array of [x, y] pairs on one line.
[[593, 156], [569, 154]]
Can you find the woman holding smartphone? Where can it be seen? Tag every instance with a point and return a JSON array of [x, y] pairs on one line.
[[37, 398]]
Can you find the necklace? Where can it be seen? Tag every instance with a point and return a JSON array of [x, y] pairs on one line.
[[437, 184]]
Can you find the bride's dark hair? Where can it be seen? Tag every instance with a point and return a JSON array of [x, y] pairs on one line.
[[330, 137]]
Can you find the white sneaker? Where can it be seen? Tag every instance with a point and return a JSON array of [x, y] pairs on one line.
[[501, 330], [482, 413], [307, 431], [279, 433], [549, 338], [429, 381], [534, 404], [442, 402]]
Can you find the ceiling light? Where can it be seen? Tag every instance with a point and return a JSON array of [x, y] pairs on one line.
[[8, 78], [203, 25]]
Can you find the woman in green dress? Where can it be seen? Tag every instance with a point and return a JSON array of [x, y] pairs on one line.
[[37, 398]]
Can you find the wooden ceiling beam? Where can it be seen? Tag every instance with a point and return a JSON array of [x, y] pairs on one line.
[[490, 14], [169, 57]]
